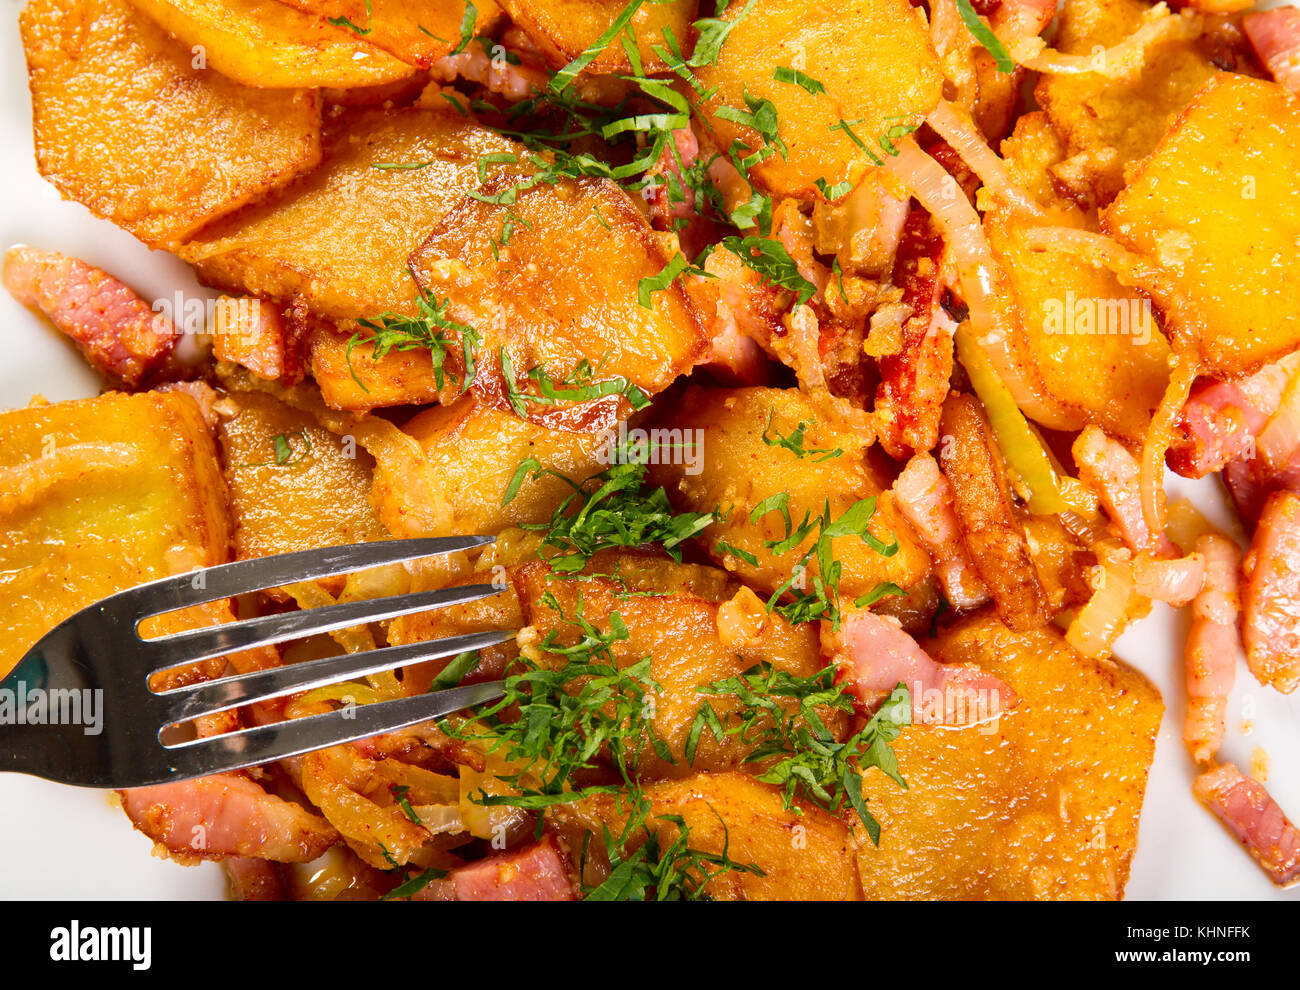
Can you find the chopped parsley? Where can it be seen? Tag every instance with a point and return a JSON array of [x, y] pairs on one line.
[[982, 33], [427, 331], [794, 442], [805, 760]]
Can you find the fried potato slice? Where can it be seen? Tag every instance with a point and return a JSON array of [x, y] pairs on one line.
[[674, 615], [263, 43], [99, 495], [293, 484], [728, 465], [880, 75], [1108, 123], [474, 449], [554, 280], [804, 853], [1076, 316], [125, 125], [419, 32], [1217, 208], [339, 239], [1042, 804], [564, 29]]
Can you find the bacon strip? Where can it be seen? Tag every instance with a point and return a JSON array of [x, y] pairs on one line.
[[1244, 806], [914, 382], [1210, 656], [116, 330], [1272, 599], [1221, 419], [1114, 472], [535, 872], [227, 815], [874, 654], [924, 497], [1275, 36]]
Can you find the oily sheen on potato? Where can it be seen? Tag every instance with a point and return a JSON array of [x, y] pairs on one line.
[[174, 146]]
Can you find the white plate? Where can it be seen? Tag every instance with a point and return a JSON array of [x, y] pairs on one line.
[[64, 843]]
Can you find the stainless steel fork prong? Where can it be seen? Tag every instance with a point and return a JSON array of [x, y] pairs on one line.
[[228, 580], [211, 697], [210, 641], [282, 740]]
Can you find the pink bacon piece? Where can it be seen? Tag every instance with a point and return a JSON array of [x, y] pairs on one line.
[[1275, 36], [1272, 598], [874, 654], [1221, 419], [924, 497], [535, 872], [1114, 472], [116, 330], [1244, 806], [1210, 656], [227, 815]]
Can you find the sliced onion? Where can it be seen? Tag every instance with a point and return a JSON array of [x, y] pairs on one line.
[[1114, 62], [977, 271], [964, 139], [1099, 623], [1159, 436], [1174, 581]]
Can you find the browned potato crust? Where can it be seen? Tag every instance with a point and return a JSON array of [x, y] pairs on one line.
[[124, 125], [982, 499], [1108, 123], [883, 74], [1077, 316], [1217, 207], [473, 450], [339, 239], [565, 286], [564, 29], [1045, 805], [738, 471], [804, 853], [99, 495], [267, 44], [416, 31], [318, 497]]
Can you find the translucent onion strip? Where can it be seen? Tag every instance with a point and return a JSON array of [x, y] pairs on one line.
[[1114, 62], [939, 193], [963, 137]]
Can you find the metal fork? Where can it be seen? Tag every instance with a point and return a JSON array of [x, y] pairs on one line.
[[99, 649]]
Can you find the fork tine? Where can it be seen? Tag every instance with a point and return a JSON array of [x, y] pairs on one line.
[[199, 644], [268, 743], [210, 697], [243, 576]]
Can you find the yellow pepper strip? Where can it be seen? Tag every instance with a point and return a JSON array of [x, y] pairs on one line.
[[1020, 446]]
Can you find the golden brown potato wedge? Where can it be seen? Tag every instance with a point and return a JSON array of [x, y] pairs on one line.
[[473, 449], [1108, 123], [564, 288], [564, 29], [1043, 804], [267, 44], [804, 853], [738, 471], [340, 238], [100, 495], [1217, 208], [1078, 316], [124, 124], [880, 77], [418, 32], [293, 485], [672, 619]]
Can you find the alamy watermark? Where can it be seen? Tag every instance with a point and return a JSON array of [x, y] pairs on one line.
[[1098, 315], [653, 446], [54, 706]]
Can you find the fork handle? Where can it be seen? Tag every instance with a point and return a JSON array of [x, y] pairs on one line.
[[38, 750]]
